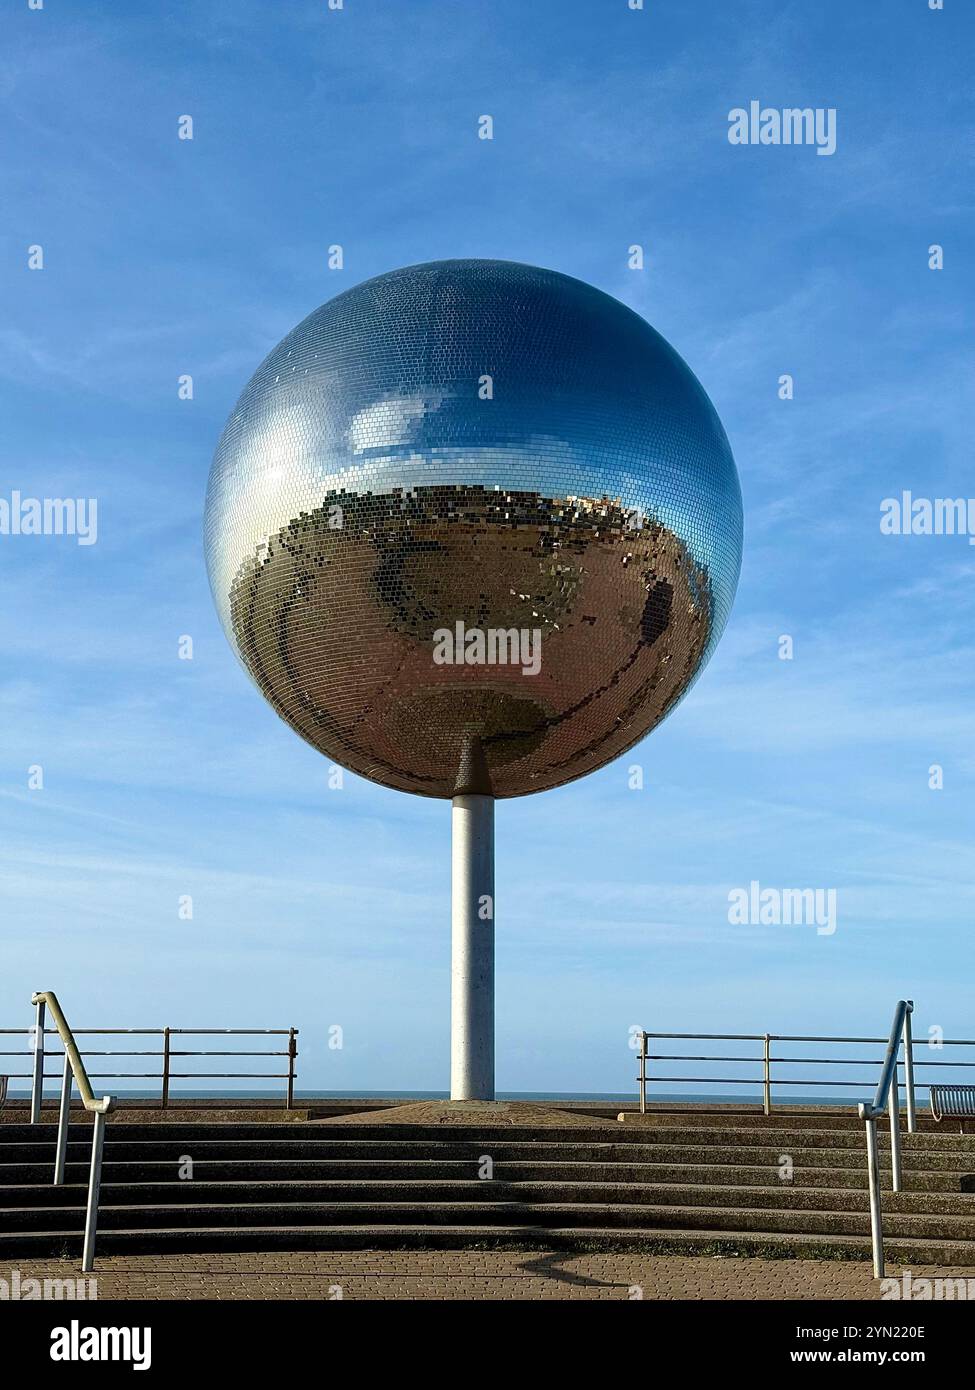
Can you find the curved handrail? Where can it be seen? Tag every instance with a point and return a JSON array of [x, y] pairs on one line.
[[887, 1097], [99, 1107], [872, 1110], [73, 1066]]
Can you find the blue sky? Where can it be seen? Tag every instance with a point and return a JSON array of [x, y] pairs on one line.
[[165, 777]]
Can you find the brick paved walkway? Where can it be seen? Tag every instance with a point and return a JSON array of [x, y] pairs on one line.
[[454, 1274]]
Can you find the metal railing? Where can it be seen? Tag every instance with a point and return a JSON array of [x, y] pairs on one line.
[[74, 1068], [887, 1097], [901, 1052], [776, 1065], [167, 1054]]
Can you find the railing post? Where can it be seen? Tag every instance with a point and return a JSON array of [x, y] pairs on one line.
[[873, 1180], [643, 1072], [768, 1078], [94, 1184], [37, 1087], [895, 1134], [909, 1070], [64, 1115], [292, 1053], [165, 1071], [887, 1097]]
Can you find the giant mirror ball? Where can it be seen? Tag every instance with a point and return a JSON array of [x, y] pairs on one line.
[[478, 505]]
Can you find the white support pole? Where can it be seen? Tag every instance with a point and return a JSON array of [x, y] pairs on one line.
[[472, 948], [873, 1180], [64, 1117], [896, 1179], [909, 1072], [94, 1186], [37, 1087]]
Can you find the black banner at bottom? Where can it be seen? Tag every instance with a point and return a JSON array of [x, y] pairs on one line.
[[170, 1338]]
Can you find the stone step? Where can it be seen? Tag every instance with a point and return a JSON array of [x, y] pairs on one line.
[[787, 1119], [642, 1216], [122, 1141], [55, 1243], [319, 1131], [16, 1175], [670, 1130], [16, 1157], [637, 1183], [434, 1190], [15, 1117], [542, 1170]]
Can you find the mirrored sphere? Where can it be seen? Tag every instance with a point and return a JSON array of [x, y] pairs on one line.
[[473, 514]]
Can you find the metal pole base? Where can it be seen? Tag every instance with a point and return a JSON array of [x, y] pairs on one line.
[[94, 1187], [472, 949]]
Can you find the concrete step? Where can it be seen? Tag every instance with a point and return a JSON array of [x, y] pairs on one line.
[[762, 1136], [928, 1160], [324, 1184], [664, 1147], [660, 1130], [935, 1171], [56, 1242], [788, 1119], [320, 1116], [314, 1132], [632, 1215], [434, 1190], [67, 1244], [16, 1175]]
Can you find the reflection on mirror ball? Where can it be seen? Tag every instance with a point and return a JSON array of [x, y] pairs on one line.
[[473, 504]]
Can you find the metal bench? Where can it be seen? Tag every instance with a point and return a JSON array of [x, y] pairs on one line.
[[953, 1103]]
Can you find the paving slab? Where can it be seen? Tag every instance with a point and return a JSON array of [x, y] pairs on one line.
[[476, 1113], [464, 1275]]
